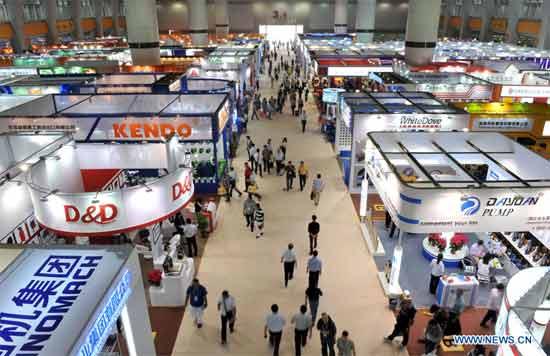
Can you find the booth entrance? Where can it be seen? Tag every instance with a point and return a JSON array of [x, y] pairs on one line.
[[284, 33]]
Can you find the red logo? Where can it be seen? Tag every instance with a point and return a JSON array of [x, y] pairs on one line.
[[180, 188], [99, 214]]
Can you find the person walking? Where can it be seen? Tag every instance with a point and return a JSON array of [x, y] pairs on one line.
[[274, 324], [279, 157], [288, 259], [266, 158], [327, 331], [345, 346], [437, 270], [300, 104], [259, 220], [196, 297], [257, 162], [249, 207], [306, 93], [302, 175], [403, 323], [314, 268], [256, 108], [432, 336], [302, 324], [313, 294], [284, 142], [303, 119], [290, 175], [493, 305], [313, 229], [233, 182], [316, 188], [190, 231], [228, 313]]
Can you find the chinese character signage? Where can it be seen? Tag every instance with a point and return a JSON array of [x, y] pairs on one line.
[[49, 295]]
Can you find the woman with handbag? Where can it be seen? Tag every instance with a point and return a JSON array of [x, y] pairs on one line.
[[228, 313]]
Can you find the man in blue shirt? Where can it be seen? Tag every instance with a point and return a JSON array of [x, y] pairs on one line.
[[196, 297]]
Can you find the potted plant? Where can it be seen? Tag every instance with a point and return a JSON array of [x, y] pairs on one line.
[[458, 242], [437, 241]]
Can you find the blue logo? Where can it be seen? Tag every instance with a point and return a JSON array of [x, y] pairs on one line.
[[470, 205]]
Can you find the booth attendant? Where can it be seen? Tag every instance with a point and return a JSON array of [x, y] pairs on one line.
[[438, 268]]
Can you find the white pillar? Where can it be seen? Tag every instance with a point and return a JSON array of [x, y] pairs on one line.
[[421, 34], [341, 16], [51, 19], [222, 18], [15, 11], [99, 17], [115, 11], [198, 22], [135, 315], [544, 35], [364, 21], [363, 206], [143, 32], [77, 17]]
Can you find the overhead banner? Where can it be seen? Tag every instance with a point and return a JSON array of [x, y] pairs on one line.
[[107, 213], [470, 210], [49, 296], [116, 129]]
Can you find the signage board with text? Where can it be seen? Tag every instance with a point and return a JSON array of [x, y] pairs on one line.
[[525, 91], [357, 71], [519, 124]]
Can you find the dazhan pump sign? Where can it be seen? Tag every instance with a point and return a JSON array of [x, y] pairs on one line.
[[506, 206]]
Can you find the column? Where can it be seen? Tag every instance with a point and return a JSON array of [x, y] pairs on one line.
[[544, 35], [115, 11], [99, 17], [465, 11], [340, 16], [222, 18], [15, 11], [143, 31], [514, 11], [51, 19], [198, 22], [445, 12], [486, 11], [421, 33], [364, 21], [77, 17]]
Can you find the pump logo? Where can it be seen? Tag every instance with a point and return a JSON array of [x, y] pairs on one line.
[[470, 205], [99, 213], [505, 206]]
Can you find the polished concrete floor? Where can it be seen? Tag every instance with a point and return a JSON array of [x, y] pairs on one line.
[[250, 268]]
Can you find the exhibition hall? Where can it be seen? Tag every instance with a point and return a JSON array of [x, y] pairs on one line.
[[254, 177]]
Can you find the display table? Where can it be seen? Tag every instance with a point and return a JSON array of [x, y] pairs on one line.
[[450, 259], [174, 285], [448, 285]]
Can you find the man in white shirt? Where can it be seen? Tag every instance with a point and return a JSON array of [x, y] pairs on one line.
[[317, 186], [288, 259], [190, 232], [302, 324], [314, 267], [228, 313], [493, 305], [274, 323]]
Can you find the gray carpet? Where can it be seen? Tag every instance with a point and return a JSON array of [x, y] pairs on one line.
[[415, 270]]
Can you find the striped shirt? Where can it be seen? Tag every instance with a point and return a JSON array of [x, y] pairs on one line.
[[259, 216]]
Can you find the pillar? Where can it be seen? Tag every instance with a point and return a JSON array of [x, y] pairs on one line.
[[222, 18], [198, 22], [544, 35], [15, 11], [143, 32], [446, 17], [115, 13], [51, 19], [364, 21], [421, 33], [341, 16], [99, 17], [514, 11], [465, 11], [77, 17], [486, 11]]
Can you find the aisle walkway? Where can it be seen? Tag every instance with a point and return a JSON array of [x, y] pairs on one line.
[[249, 268]]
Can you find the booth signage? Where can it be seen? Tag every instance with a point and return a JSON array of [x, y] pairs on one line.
[[105, 213], [420, 122], [107, 317], [357, 71], [525, 91], [47, 296], [523, 124], [141, 130], [419, 211]]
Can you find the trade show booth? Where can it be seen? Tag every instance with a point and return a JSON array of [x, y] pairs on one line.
[[449, 188], [388, 111], [68, 300], [202, 122]]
